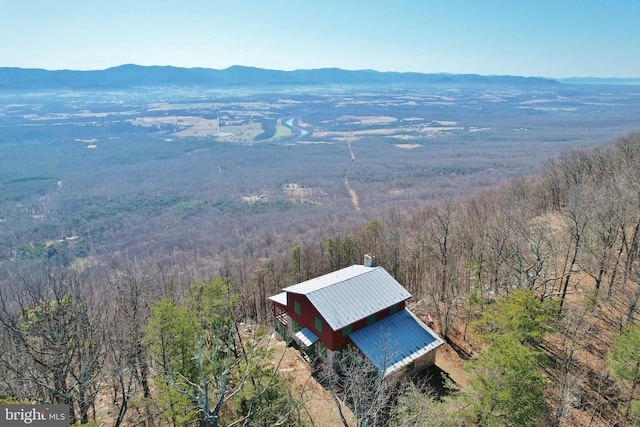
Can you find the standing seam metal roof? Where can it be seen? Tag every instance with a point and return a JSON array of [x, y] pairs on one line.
[[353, 293], [307, 337], [395, 341]]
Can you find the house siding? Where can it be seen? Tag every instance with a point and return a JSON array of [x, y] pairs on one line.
[[332, 339], [307, 318]]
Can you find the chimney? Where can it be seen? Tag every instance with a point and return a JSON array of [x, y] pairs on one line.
[[369, 260]]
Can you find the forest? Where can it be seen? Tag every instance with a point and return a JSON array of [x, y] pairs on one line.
[[136, 263]]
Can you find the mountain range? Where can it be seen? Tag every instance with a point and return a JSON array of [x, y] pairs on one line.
[[130, 75]]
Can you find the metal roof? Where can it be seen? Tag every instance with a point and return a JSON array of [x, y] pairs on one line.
[[306, 336], [395, 341], [353, 293], [328, 279], [281, 298]]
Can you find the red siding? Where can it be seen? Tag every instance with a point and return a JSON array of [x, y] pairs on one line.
[[332, 339], [307, 317]]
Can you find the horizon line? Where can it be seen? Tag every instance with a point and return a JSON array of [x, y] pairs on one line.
[[321, 68]]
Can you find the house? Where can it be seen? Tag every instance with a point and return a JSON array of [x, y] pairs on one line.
[[363, 306]]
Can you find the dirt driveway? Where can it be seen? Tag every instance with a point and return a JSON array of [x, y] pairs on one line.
[[321, 409]]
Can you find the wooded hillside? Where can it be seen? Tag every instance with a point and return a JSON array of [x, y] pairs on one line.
[[538, 282]]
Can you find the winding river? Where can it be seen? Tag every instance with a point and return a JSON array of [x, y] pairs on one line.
[[303, 132]]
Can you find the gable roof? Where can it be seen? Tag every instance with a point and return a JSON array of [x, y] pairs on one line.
[[350, 294], [395, 341], [280, 298]]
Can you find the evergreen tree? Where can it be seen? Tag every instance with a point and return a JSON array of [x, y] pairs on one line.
[[208, 373], [507, 388], [624, 363], [519, 314]]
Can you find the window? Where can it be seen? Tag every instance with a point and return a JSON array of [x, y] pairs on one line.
[[318, 324], [346, 330], [371, 319], [411, 366], [393, 309], [296, 327], [296, 308]]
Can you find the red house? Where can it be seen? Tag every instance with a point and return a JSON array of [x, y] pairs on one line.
[[361, 305]]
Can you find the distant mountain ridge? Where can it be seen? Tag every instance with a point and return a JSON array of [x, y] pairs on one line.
[[130, 75], [601, 80]]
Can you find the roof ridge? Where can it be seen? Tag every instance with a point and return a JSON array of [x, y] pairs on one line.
[[344, 279], [327, 280]]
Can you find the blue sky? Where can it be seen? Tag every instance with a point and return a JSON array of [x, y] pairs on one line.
[[550, 38]]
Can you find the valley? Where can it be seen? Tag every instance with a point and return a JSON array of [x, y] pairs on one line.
[[106, 165]]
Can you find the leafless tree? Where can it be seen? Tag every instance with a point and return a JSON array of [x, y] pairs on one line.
[[59, 327], [127, 362], [602, 232], [568, 376], [577, 215], [355, 381], [553, 184]]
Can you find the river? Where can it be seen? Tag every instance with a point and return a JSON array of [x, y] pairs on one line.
[[303, 132]]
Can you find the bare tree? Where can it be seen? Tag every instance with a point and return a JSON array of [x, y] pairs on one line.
[[442, 271], [127, 361], [355, 381], [602, 232], [555, 190], [58, 326], [577, 215], [574, 330], [529, 253]]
